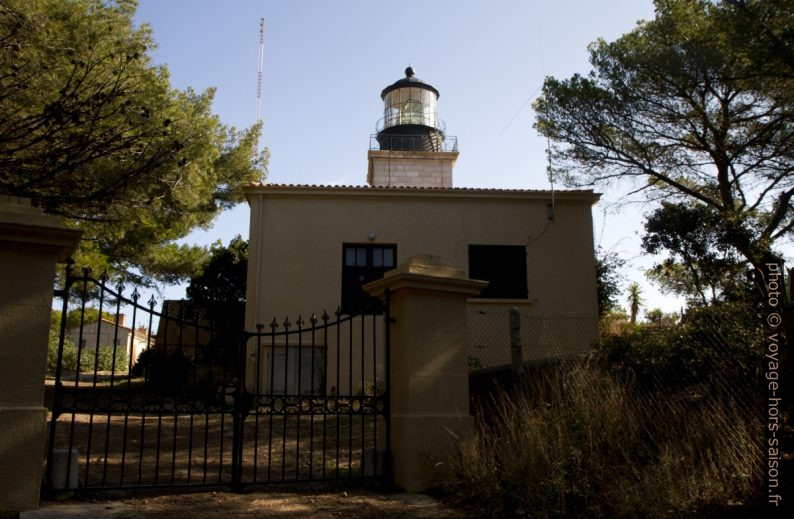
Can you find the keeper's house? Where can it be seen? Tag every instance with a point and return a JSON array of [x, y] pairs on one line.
[[312, 247]]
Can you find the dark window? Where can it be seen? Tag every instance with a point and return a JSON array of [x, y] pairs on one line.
[[360, 265], [503, 266]]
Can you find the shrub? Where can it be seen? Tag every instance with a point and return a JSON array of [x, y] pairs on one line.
[[105, 362], [592, 450], [164, 371], [88, 360], [87, 353], [711, 345], [69, 360]]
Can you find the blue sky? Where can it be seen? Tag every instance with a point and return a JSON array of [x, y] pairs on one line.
[[326, 62]]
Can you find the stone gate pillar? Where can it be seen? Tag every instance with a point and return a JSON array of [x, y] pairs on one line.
[[429, 391], [30, 245]]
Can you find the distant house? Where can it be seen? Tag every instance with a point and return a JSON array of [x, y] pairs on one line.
[[107, 332]]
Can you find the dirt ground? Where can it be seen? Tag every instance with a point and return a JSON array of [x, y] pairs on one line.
[[127, 449], [294, 502]]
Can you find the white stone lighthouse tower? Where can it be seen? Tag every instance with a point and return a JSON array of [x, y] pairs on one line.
[[411, 148]]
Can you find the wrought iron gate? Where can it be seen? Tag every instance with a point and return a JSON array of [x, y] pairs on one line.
[[183, 396]]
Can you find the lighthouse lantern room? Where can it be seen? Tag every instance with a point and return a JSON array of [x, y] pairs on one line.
[[412, 148]]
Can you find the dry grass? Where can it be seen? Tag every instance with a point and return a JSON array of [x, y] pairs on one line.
[[579, 444]]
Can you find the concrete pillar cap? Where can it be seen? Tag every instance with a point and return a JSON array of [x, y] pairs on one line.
[[23, 226], [428, 265], [425, 272]]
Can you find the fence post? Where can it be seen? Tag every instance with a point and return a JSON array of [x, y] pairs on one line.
[[239, 413], [30, 245], [428, 378], [516, 352], [59, 482]]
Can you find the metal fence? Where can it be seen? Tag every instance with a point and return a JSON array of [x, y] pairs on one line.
[[185, 397], [426, 142], [497, 338]]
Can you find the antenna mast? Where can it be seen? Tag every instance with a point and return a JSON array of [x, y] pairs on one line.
[[550, 169], [259, 74], [552, 208]]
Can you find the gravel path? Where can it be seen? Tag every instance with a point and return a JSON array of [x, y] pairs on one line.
[[310, 503]]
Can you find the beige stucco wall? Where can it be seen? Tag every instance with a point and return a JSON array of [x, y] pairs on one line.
[[297, 233]]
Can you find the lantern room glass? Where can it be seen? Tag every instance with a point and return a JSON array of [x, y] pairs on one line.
[[409, 105]]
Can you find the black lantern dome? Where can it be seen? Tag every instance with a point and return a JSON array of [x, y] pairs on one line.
[[409, 119]]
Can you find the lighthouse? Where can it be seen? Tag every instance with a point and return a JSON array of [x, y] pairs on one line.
[[411, 147]]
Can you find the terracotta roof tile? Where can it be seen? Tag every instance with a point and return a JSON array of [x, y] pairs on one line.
[[414, 188]]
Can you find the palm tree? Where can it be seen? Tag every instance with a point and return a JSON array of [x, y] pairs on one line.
[[635, 301]]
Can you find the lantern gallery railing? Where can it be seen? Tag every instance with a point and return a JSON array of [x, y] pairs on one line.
[[424, 142], [423, 116]]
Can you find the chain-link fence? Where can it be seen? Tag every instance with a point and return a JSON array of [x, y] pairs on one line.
[[497, 337], [667, 415]]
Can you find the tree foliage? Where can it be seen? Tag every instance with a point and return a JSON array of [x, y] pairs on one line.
[[700, 264], [219, 293], [223, 278], [77, 316], [93, 132], [607, 280], [695, 106], [717, 342]]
